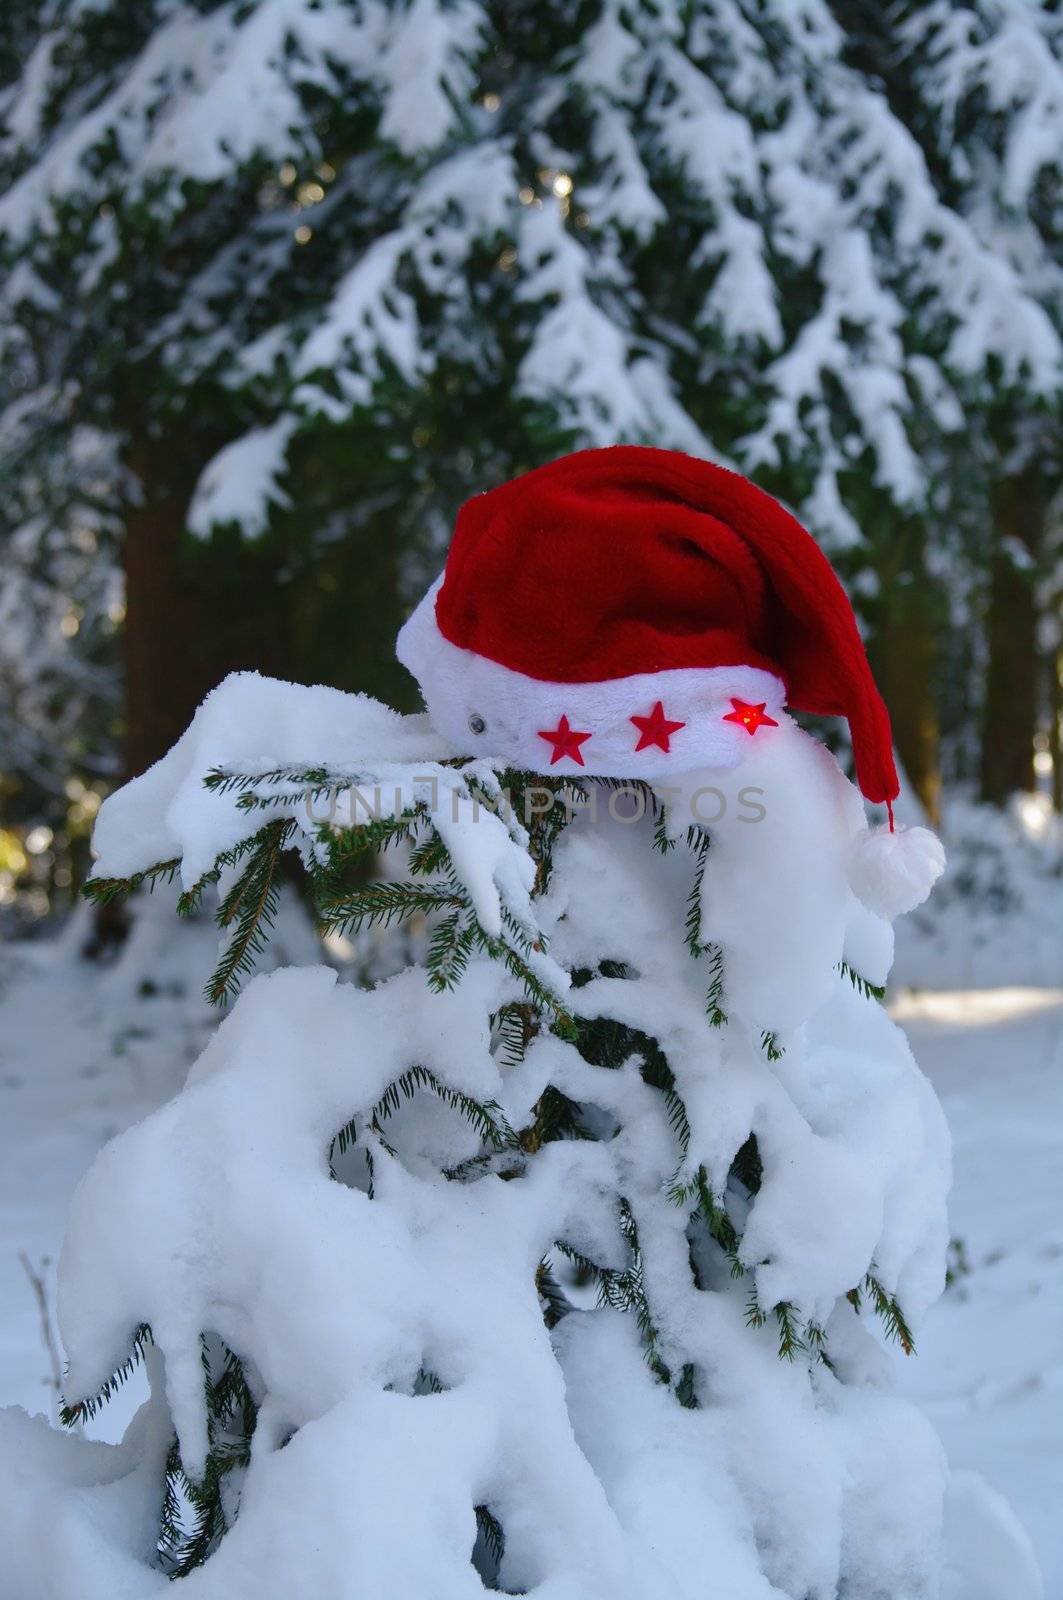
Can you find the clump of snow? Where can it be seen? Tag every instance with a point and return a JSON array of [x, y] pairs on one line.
[[369, 317], [249, 724], [384, 764], [774, 891], [585, 360], [240, 484], [990, 1552], [80, 1516], [425, 66]]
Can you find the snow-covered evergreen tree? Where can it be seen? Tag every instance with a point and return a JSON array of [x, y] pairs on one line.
[[566, 1261], [412, 183], [316, 268], [531, 1270], [983, 90]]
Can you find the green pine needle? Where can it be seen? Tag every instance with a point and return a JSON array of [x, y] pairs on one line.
[[892, 1316], [71, 1414], [101, 891], [869, 990], [770, 1045], [381, 904], [249, 909], [486, 1116]]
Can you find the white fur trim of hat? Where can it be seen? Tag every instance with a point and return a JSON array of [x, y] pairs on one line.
[[484, 708]]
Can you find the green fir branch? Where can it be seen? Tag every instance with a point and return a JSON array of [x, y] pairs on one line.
[[769, 1043], [686, 1388], [562, 1021], [791, 1344], [864, 986], [381, 904], [447, 957], [625, 1290], [756, 1316], [250, 801], [543, 828], [554, 1117], [552, 1297], [490, 1531], [191, 900], [222, 782], [485, 1116], [342, 1141], [886, 1307], [692, 919], [171, 1532], [714, 994], [430, 857], [657, 1073], [343, 846], [231, 1418], [249, 909], [663, 842], [698, 842], [101, 891], [747, 1168], [73, 1413], [719, 1224], [515, 1024]]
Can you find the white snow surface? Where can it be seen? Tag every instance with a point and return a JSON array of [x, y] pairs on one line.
[[217, 1213], [996, 917]]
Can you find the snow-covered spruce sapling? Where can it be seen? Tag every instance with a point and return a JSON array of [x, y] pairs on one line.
[[552, 1264], [595, 1056]]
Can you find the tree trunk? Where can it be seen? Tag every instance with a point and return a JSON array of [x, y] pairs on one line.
[[1055, 725], [1010, 717], [194, 612], [904, 656], [165, 676]]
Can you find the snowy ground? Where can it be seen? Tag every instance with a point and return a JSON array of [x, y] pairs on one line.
[[990, 1365], [82, 1055]]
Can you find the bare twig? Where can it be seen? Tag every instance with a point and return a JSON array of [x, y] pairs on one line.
[[40, 1294]]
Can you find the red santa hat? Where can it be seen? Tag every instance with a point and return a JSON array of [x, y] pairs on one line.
[[635, 613], [632, 612]]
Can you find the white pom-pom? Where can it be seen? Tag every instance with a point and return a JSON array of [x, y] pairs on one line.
[[894, 872]]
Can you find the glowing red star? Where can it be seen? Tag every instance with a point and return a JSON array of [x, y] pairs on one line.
[[656, 729], [565, 740], [750, 717]]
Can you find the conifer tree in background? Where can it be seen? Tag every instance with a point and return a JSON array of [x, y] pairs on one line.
[[307, 272], [987, 87]]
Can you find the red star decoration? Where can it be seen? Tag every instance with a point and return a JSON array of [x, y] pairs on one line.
[[656, 729], [750, 717], [565, 740]]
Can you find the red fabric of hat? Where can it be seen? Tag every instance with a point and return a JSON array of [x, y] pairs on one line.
[[630, 560]]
